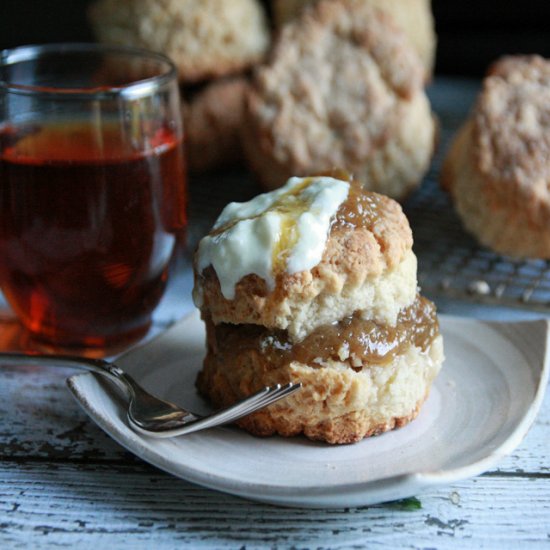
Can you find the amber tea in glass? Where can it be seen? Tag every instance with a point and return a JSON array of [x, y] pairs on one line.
[[92, 189]]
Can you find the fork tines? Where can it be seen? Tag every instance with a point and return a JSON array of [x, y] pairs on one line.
[[254, 402]]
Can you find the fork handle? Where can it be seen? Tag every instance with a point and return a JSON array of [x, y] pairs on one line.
[[98, 366]]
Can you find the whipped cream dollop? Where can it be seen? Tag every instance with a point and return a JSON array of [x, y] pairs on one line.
[[284, 230]]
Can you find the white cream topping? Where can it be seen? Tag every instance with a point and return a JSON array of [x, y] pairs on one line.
[[286, 228]]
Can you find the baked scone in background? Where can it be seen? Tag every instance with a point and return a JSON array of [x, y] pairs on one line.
[[498, 167], [212, 120], [414, 17], [342, 89], [350, 327], [205, 39]]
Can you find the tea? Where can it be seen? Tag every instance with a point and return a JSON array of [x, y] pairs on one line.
[[87, 228]]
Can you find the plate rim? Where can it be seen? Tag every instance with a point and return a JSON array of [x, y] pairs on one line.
[[359, 493]]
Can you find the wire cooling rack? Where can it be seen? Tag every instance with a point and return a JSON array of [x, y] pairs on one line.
[[450, 262]]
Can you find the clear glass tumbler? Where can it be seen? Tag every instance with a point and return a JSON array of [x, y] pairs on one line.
[[92, 189]]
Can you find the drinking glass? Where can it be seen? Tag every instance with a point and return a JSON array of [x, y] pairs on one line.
[[92, 189]]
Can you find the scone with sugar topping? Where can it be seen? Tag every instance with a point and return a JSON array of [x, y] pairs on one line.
[[342, 87], [205, 39], [316, 282], [497, 169], [413, 16]]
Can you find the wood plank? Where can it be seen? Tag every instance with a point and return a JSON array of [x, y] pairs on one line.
[[131, 506], [39, 418]]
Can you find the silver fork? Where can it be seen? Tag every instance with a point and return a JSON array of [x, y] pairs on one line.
[[148, 414]]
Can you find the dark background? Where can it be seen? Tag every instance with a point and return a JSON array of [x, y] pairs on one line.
[[471, 33]]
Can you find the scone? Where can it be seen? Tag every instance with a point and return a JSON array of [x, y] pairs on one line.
[[316, 283], [212, 122], [413, 16], [205, 39], [343, 88], [498, 167]]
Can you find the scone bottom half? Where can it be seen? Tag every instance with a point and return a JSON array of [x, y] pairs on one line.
[[316, 283]]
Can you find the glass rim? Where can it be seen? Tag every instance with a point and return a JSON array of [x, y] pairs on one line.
[[134, 89]]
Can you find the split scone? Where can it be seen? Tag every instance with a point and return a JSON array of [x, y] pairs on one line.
[[498, 167], [316, 283], [342, 87]]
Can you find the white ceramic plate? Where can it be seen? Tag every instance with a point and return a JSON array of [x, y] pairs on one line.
[[482, 404]]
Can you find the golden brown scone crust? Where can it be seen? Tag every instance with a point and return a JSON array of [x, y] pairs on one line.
[[370, 268], [414, 17], [498, 168], [206, 38], [343, 88], [336, 404], [212, 123]]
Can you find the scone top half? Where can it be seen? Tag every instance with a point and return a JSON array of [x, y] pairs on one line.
[[308, 254]]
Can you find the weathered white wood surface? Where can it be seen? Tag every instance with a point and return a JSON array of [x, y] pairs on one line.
[[135, 506], [64, 483]]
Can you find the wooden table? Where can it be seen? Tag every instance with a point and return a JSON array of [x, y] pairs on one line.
[[64, 483]]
